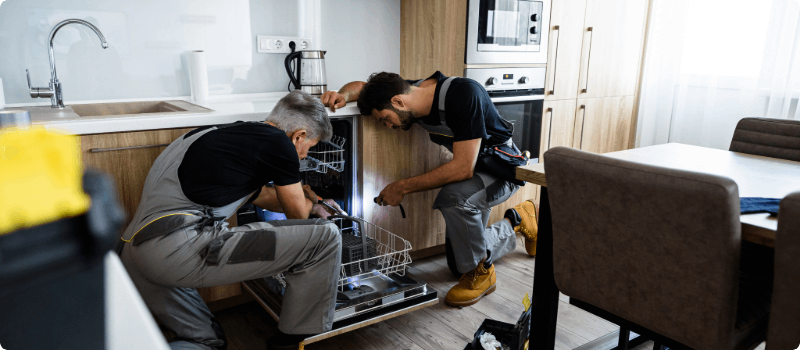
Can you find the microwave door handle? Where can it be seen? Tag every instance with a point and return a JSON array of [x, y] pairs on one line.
[[587, 49], [554, 59]]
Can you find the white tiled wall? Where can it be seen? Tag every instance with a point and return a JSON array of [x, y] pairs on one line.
[[147, 40]]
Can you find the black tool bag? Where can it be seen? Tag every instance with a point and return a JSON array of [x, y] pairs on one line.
[[502, 161]]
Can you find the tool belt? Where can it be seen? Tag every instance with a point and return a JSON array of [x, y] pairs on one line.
[[502, 161]]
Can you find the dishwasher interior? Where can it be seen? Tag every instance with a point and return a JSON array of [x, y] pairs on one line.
[[373, 284]]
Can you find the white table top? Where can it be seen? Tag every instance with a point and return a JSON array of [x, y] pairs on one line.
[[755, 176]]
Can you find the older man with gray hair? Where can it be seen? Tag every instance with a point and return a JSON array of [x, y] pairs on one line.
[[179, 240]]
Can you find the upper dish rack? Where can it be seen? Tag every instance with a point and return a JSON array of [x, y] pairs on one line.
[[324, 156]]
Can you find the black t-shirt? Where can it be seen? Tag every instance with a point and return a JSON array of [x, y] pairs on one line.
[[225, 165], [469, 112]]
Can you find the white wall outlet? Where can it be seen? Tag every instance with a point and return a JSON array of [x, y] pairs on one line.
[[280, 44]]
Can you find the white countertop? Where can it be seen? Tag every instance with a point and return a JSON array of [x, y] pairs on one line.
[[227, 109]]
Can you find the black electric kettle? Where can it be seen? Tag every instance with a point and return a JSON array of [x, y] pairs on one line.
[[309, 75]]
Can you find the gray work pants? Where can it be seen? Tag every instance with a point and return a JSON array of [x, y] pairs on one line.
[[167, 269], [466, 206]]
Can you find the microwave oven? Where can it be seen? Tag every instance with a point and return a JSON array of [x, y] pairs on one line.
[[507, 31]]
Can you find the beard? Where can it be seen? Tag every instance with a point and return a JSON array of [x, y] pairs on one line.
[[406, 119]]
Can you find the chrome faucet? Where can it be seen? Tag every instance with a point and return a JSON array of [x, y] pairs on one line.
[[54, 90]]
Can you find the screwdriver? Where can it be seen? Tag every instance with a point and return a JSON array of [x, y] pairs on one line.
[[319, 200], [402, 211]]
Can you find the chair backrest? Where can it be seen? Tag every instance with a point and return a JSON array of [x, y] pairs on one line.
[[655, 246], [775, 138], [784, 318]]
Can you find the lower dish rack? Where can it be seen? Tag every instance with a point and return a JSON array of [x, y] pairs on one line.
[[373, 283]]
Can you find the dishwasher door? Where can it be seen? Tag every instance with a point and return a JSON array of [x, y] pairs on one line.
[[370, 302]]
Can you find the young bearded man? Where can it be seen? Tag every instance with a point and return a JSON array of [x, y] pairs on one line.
[[458, 114]]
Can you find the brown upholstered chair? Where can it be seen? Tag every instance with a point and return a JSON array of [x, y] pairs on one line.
[[653, 250], [784, 319], [774, 138]]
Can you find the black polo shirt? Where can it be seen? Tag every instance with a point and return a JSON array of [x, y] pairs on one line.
[[225, 165], [469, 113]]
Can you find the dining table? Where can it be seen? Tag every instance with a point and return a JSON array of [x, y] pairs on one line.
[[755, 176]]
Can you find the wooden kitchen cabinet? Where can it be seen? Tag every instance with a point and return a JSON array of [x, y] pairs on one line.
[[613, 40], [595, 48], [558, 125], [127, 158], [432, 37], [564, 51], [604, 124], [390, 155]]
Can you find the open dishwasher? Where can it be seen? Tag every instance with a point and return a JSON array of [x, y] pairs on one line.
[[374, 284]]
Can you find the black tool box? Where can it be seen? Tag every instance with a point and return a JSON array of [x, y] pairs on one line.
[[514, 336], [52, 277]]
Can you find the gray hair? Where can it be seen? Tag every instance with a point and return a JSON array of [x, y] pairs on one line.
[[299, 110]]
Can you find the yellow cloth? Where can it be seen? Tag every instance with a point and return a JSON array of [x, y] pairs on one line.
[[40, 178]]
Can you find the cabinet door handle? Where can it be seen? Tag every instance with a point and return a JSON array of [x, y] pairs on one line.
[[585, 65], [96, 150], [552, 90], [550, 128], [577, 137]]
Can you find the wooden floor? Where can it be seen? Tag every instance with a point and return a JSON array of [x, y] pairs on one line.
[[438, 327]]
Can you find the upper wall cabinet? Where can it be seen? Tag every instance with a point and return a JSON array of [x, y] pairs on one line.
[[612, 47], [566, 38], [595, 48]]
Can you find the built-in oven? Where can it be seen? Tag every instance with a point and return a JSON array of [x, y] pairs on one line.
[[507, 31], [518, 95]]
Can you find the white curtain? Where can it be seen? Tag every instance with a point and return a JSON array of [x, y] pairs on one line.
[[710, 63]]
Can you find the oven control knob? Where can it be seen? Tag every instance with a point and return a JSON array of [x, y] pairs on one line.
[[524, 80], [491, 81]]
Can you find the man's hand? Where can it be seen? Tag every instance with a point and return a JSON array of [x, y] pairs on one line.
[[338, 99], [309, 193], [325, 212], [334, 100], [392, 194]]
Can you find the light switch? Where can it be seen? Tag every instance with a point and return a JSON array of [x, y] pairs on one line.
[[263, 44]]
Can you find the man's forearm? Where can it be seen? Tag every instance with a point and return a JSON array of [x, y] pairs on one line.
[[303, 213], [268, 199], [351, 90], [443, 175]]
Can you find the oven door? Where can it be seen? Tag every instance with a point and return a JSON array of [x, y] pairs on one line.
[[507, 31], [525, 113]]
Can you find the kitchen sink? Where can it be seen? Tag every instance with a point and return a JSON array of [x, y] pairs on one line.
[[134, 108]]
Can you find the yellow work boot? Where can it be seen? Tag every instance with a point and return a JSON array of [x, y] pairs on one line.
[[472, 286], [523, 218]]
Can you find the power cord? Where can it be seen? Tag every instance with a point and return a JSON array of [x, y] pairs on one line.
[[292, 68]]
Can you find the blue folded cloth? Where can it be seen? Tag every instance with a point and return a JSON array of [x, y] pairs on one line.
[[750, 205]]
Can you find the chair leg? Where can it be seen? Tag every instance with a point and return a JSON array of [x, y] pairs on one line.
[[624, 338]]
